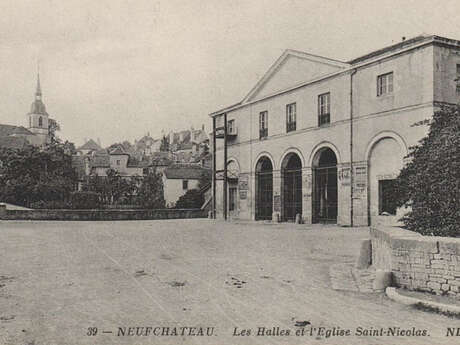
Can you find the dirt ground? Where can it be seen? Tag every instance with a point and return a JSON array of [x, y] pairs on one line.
[[60, 281]]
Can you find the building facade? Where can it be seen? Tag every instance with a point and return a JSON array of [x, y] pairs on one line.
[[325, 139]]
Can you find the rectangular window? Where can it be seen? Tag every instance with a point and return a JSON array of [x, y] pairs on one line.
[[387, 202], [232, 198], [457, 79], [384, 84], [118, 162], [184, 184], [263, 124], [290, 117], [324, 109], [230, 126]]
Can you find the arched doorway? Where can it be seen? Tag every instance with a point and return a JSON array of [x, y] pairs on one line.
[[291, 175], [264, 189], [386, 159], [325, 203]]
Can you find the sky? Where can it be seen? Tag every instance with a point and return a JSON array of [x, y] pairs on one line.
[[117, 70]]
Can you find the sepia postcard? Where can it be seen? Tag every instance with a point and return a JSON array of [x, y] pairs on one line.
[[229, 172]]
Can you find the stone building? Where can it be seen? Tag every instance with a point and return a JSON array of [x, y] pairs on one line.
[[325, 139]]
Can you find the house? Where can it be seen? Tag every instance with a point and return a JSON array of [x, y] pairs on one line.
[[179, 178], [325, 139], [88, 147]]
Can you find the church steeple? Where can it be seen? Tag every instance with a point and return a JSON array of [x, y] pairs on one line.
[[38, 92]]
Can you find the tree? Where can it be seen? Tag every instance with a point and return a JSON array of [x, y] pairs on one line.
[[164, 146], [35, 174], [430, 183], [150, 193], [53, 127]]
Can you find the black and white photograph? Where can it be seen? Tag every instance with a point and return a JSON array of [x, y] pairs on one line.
[[244, 172]]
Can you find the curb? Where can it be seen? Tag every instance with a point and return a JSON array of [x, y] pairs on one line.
[[395, 296]]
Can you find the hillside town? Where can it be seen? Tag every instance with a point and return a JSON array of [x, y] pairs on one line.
[[182, 158]]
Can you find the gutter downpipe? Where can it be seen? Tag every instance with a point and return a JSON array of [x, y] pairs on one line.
[[353, 72]]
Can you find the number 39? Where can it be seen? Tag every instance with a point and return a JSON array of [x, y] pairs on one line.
[[92, 331]]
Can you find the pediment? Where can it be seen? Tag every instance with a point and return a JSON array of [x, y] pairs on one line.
[[292, 69]]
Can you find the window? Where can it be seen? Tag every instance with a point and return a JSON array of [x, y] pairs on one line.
[[118, 162], [457, 79], [290, 117], [263, 124], [184, 184], [387, 202], [231, 126], [384, 84], [324, 109], [40, 122], [232, 198]]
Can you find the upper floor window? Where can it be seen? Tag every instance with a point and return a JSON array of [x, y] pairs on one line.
[[184, 184], [384, 84], [263, 124], [324, 108], [40, 122], [290, 117], [230, 126], [458, 79]]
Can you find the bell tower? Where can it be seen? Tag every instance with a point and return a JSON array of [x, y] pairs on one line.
[[38, 117]]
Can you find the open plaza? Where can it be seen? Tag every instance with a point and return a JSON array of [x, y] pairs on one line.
[[195, 282]]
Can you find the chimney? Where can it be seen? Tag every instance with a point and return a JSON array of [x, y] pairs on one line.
[[99, 142], [403, 38], [202, 127]]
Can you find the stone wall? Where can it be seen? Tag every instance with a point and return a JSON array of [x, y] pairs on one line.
[[100, 214], [418, 262]]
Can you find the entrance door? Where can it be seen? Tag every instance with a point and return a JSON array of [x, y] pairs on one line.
[[292, 187], [264, 191], [232, 197], [326, 195], [325, 200], [292, 194]]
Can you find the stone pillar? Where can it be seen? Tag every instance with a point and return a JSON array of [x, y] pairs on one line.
[[277, 202], [343, 194], [307, 198], [360, 188]]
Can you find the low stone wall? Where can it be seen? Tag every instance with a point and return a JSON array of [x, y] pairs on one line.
[[418, 262], [100, 214]]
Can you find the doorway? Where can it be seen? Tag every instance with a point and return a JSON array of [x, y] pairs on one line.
[[325, 196], [291, 175], [264, 189]]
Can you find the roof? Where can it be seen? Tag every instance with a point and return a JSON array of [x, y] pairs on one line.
[[118, 151], [7, 130], [12, 142], [399, 45], [90, 145], [185, 171]]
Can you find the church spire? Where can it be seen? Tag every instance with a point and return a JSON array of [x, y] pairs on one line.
[[38, 92]]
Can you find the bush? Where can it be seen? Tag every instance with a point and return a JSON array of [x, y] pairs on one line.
[[49, 205], [85, 200], [430, 183], [192, 199]]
